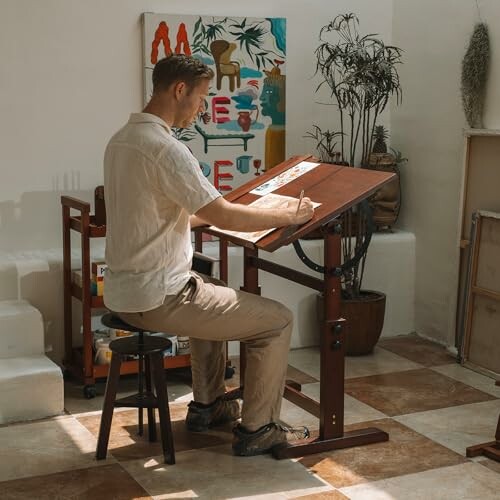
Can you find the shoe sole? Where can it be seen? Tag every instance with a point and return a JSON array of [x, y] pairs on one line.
[[258, 451]]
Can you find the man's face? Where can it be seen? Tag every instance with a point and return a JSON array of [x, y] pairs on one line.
[[191, 102]]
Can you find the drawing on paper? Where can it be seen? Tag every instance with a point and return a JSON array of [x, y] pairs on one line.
[[268, 201], [284, 178]]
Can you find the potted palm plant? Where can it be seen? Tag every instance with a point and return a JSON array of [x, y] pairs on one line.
[[361, 74]]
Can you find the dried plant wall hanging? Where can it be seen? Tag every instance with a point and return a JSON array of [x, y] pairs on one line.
[[475, 74]]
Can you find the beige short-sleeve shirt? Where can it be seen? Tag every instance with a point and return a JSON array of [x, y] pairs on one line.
[[152, 184]]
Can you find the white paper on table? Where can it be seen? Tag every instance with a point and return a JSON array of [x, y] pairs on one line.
[[284, 178], [268, 201]]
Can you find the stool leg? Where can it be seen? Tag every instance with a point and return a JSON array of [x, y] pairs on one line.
[[151, 411], [141, 394], [167, 441], [108, 406]]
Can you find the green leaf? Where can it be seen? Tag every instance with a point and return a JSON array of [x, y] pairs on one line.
[[197, 25]]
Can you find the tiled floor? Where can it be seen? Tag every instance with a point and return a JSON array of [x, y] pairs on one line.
[[431, 407]]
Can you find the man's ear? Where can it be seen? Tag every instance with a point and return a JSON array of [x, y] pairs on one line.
[[179, 89]]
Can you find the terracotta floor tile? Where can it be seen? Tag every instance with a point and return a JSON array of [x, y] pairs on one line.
[[327, 495], [417, 349], [125, 444], [96, 483], [406, 452], [468, 481], [491, 464], [469, 377], [412, 391]]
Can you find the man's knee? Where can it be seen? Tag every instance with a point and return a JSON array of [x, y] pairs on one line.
[[286, 317]]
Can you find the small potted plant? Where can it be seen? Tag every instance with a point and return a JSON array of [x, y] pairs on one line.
[[326, 144], [386, 202]]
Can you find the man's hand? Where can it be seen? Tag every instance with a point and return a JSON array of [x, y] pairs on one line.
[[305, 213]]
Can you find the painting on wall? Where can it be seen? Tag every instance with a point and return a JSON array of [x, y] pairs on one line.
[[242, 131]]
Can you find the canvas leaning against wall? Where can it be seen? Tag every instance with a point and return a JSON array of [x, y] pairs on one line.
[[242, 131]]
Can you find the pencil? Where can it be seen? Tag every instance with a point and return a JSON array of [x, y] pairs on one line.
[[300, 201]]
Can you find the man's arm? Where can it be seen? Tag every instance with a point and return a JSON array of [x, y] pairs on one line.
[[196, 221], [236, 217]]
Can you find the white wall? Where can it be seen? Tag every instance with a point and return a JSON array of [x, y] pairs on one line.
[[428, 128], [71, 74]]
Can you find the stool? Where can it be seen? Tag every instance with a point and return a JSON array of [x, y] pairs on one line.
[[149, 349]]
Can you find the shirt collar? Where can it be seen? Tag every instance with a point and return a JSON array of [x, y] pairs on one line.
[[148, 118]]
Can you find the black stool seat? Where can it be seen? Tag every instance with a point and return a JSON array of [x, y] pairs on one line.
[[134, 346], [113, 321], [149, 350]]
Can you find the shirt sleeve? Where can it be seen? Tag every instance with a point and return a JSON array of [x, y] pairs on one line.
[[181, 179]]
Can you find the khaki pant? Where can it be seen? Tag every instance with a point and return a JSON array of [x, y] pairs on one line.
[[210, 314]]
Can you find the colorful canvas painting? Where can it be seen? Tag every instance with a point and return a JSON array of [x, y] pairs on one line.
[[242, 131]]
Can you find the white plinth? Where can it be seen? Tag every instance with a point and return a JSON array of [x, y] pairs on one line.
[[21, 329], [390, 268], [30, 388]]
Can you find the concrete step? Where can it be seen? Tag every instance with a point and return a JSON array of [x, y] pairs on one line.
[[21, 329], [31, 387]]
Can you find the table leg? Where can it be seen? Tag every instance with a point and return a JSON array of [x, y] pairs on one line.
[[331, 405]]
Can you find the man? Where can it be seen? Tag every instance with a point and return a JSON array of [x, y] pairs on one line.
[[155, 192]]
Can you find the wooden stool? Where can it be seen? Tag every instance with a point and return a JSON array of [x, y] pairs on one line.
[[149, 349]]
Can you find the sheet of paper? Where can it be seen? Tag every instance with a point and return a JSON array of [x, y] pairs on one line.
[[284, 178], [268, 201]]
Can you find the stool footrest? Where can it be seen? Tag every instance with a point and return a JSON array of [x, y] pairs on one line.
[[147, 400]]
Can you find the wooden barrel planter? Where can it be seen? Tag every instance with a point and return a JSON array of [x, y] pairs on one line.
[[386, 202], [364, 321]]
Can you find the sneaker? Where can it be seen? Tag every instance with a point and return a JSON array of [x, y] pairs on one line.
[[200, 419], [263, 440]]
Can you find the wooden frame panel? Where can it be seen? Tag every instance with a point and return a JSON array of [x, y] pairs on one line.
[[481, 339], [480, 186]]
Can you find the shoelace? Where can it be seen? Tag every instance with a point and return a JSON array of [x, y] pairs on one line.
[[297, 432]]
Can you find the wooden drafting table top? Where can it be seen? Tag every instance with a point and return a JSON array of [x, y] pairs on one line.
[[336, 187]]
